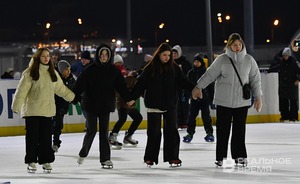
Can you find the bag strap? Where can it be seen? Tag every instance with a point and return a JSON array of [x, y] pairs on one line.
[[236, 71]]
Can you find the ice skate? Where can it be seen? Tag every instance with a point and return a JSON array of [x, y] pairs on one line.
[[113, 141], [47, 168], [129, 141], [209, 138], [107, 164], [31, 168], [80, 160], [149, 163], [175, 163], [241, 162], [188, 138], [219, 163]]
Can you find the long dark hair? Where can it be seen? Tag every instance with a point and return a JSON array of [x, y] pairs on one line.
[[35, 65], [156, 64]]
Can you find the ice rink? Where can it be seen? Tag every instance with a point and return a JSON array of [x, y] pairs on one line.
[[273, 156]]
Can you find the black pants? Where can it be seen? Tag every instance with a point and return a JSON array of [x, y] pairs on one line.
[[288, 108], [195, 106], [182, 112], [38, 140], [134, 114], [90, 133], [58, 125], [226, 116], [170, 133]]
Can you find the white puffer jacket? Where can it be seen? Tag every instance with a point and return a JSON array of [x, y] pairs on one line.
[[228, 89], [36, 98]]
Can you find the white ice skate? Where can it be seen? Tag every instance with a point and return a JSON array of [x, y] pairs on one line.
[[31, 168], [129, 141], [113, 141], [80, 160], [107, 164], [47, 168]]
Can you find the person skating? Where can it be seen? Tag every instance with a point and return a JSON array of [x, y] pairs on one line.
[[194, 74], [96, 86], [159, 85]]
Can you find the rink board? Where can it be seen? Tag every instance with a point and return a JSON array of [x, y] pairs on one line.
[[12, 124]]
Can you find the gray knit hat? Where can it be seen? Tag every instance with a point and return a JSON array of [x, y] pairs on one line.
[[62, 65]]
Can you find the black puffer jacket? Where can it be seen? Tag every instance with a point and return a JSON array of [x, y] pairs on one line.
[[288, 73], [62, 105], [160, 91], [97, 85]]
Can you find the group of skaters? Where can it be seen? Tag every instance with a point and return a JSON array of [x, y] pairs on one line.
[[103, 85]]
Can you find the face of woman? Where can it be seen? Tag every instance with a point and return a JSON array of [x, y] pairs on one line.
[[236, 46], [45, 57], [103, 56], [165, 56]]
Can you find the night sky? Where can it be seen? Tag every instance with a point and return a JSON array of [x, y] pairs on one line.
[[184, 20]]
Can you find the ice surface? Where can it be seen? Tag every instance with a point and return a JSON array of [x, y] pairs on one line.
[[273, 155]]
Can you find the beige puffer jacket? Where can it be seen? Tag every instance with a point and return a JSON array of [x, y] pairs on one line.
[[36, 98]]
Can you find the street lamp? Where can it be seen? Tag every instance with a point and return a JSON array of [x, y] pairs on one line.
[[223, 24], [161, 26], [48, 25], [275, 24]]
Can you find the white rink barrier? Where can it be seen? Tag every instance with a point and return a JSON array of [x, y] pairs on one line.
[[12, 124]]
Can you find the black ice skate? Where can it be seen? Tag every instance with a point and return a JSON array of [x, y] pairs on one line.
[[175, 163], [31, 168], [209, 138], [107, 164], [129, 141], [47, 168], [113, 141], [188, 138], [241, 162], [219, 163]]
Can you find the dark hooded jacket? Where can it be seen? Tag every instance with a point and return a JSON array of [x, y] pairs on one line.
[[97, 83], [160, 91]]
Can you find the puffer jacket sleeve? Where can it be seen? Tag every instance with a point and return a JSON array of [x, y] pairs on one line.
[[23, 88], [211, 74], [255, 79], [62, 90]]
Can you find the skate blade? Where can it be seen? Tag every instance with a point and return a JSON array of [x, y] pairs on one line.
[[31, 171], [128, 145], [107, 166], [47, 170], [116, 147], [175, 165]]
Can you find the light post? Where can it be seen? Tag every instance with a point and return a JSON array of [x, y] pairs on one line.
[[161, 26], [274, 25], [223, 24], [48, 25]]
